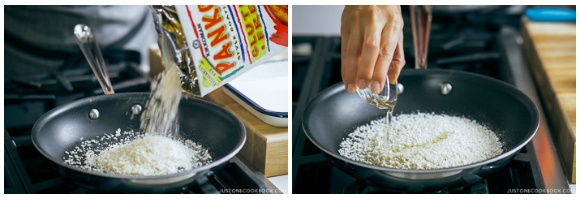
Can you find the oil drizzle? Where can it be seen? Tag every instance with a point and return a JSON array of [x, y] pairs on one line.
[[385, 101], [387, 125], [437, 139]]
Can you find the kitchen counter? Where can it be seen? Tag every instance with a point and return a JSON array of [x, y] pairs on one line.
[[550, 49]]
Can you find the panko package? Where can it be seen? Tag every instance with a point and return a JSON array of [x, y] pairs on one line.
[[213, 44]]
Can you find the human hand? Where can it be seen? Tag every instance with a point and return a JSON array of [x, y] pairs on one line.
[[372, 46]]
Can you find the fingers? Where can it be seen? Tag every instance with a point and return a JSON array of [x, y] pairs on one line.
[[344, 33], [350, 50], [390, 39], [398, 62], [370, 39], [351, 60], [370, 51]]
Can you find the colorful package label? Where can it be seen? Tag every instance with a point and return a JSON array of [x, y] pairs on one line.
[[226, 41]]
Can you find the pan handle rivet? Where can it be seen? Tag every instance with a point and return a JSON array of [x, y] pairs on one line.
[[94, 114], [136, 109], [446, 88], [400, 88]]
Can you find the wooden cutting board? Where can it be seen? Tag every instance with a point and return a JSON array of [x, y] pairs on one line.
[[551, 52], [266, 146]]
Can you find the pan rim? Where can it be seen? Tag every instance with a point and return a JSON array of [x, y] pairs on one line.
[[224, 159], [339, 87]]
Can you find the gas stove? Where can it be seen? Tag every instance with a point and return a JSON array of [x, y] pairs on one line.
[[28, 97], [465, 42], [27, 171]]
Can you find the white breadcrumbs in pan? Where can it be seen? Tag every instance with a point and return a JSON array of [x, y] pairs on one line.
[[421, 141], [132, 153], [157, 152]]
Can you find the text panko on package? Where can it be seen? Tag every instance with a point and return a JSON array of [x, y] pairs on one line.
[[213, 44]]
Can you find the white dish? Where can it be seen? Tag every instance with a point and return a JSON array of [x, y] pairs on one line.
[[264, 92]]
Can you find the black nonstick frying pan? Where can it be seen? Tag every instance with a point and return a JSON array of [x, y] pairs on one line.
[[334, 113], [62, 128]]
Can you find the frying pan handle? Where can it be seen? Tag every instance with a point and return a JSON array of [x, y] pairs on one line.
[[92, 52], [421, 16]]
